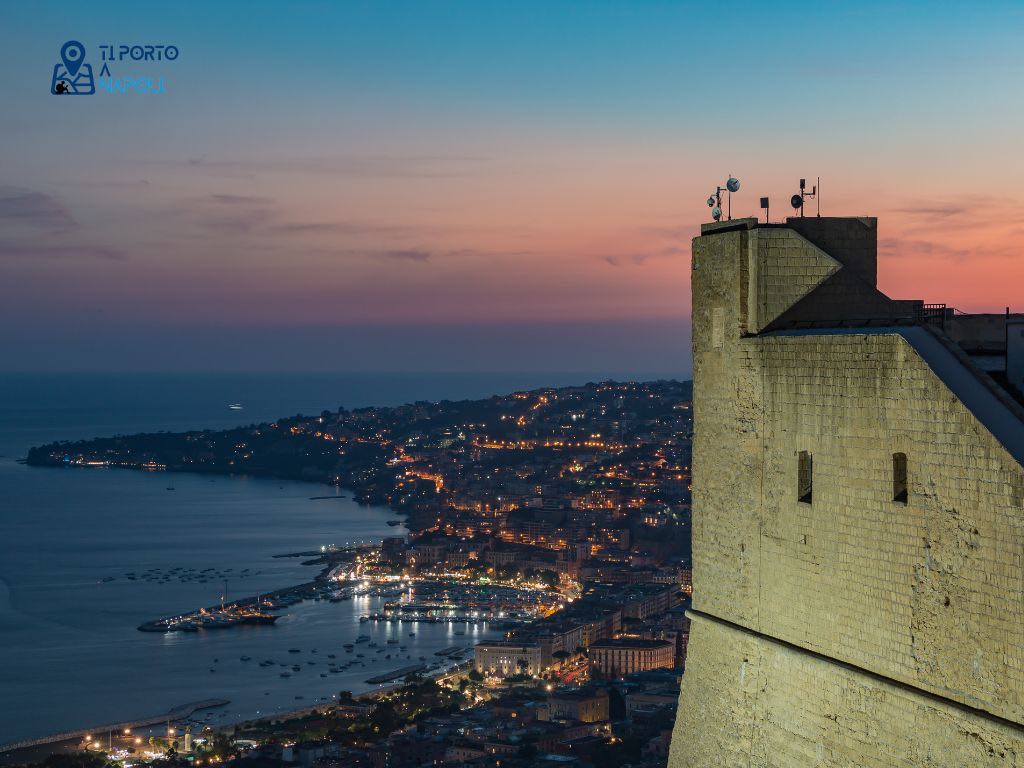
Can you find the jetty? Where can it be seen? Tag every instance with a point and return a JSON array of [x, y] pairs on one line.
[[396, 674], [450, 650]]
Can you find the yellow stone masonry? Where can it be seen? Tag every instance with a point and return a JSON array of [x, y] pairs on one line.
[[910, 613], [753, 703]]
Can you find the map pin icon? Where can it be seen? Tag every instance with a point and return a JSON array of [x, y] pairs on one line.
[[72, 53]]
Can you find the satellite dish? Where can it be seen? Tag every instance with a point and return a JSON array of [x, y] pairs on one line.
[[733, 184], [716, 212], [711, 202], [797, 201]]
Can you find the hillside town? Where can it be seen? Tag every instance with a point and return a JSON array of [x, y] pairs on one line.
[[561, 517]]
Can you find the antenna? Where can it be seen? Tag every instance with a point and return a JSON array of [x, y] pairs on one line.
[[732, 184], [797, 201]]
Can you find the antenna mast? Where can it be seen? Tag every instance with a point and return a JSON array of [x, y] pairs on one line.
[[797, 201], [715, 199]]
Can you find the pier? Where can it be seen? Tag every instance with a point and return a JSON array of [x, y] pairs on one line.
[[395, 674]]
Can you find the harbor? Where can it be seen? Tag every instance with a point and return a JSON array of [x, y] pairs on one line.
[[264, 609]]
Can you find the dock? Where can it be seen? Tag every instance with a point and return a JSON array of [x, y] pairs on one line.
[[396, 674], [449, 651]]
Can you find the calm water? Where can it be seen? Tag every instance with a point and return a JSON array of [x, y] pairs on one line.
[[70, 655]]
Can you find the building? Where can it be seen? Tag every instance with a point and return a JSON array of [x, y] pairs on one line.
[[506, 658], [624, 656], [392, 550], [427, 554], [584, 705], [637, 601], [858, 499]]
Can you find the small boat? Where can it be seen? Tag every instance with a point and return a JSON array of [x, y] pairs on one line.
[[235, 406], [394, 522]]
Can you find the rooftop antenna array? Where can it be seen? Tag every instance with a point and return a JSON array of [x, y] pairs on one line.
[[732, 184], [797, 201]]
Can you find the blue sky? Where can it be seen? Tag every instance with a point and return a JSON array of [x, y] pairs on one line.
[[349, 176]]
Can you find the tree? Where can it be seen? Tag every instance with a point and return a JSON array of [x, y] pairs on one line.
[[475, 675], [548, 578]]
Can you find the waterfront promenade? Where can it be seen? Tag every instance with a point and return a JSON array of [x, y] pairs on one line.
[[173, 715]]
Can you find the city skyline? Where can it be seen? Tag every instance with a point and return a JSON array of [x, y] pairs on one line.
[[486, 187]]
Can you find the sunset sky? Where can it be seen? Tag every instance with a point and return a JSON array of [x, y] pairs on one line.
[[479, 186]]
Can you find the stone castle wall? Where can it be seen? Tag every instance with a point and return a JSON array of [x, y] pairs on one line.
[[751, 702], [927, 594]]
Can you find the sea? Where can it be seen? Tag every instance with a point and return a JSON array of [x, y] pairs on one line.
[[86, 555]]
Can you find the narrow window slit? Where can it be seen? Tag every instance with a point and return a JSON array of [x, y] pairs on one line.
[[899, 478], [805, 478]]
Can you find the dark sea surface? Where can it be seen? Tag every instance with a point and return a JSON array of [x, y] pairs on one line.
[[70, 654]]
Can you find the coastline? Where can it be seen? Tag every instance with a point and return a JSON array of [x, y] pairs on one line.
[[230, 499], [69, 742]]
